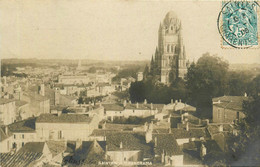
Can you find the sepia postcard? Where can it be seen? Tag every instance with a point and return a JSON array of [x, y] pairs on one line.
[[129, 83]]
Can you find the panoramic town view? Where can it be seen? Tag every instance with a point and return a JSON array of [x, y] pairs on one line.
[[170, 110]]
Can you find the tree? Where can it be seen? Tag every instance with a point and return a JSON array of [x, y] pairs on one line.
[[146, 72], [254, 87], [137, 91], [92, 70], [238, 83], [152, 67], [246, 146], [205, 80]]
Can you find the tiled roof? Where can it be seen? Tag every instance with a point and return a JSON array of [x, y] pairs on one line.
[[27, 125], [212, 146], [71, 146], [142, 106], [35, 147], [111, 126], [103, 84], [113, 107], [189, 108], [21, 159], [130, 141], [4, 101], [105, 132], [86, 145], [192, 133], [63, 118], [230, 98], [56, 147], [166, 143], [20, 103], [230, 102], [214, 129], [35, 96], [191, 154]]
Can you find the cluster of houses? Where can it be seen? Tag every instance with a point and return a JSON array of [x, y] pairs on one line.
[[43, 124], [67, 133]]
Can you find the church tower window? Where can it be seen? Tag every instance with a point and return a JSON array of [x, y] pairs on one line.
[[172, 48], [168, 48]]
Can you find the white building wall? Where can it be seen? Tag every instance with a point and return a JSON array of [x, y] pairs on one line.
[[7, 113], [63, 131]]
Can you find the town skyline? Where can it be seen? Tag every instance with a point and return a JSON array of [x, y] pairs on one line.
[[91, 33], [129, 83]]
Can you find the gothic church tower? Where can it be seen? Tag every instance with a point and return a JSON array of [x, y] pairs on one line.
[[170, 57]]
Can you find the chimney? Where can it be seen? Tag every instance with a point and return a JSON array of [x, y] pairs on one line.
[[121, 144], [145, 101], [151, 106], [163, 156], [171, 101], [245, 94], [220, 128], [56, 97], [124, 103], [137, 105], [145, 126], [149, 136], [176, 101], [42, 90], [180, 100], [187, 126], [59, 113], [203, 151], [207, 121], [155, 141], [6, 130]]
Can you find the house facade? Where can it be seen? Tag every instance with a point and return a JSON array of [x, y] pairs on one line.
[[226, 109], [7, 111], [65, 126]]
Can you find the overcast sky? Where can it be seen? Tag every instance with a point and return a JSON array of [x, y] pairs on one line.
[[111, 30]]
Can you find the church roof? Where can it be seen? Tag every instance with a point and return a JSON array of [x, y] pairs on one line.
[[171, 15]]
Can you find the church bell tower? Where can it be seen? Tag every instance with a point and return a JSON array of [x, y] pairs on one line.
[[171, 56]]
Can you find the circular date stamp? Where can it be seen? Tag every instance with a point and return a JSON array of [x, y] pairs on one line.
[[238, 24]]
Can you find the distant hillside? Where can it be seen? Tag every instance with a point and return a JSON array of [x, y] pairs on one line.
[[72, 62], [244, 67]]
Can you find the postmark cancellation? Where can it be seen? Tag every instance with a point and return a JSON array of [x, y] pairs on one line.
[[238, 24]]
